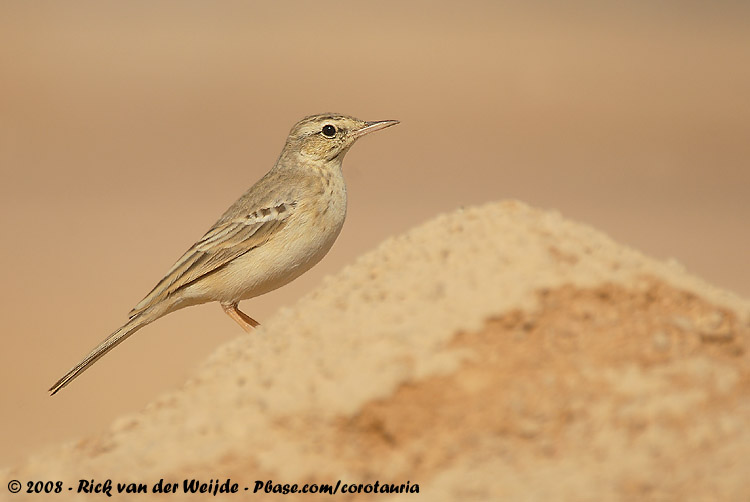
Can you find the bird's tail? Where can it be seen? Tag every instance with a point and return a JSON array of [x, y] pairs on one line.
[[107, 344]]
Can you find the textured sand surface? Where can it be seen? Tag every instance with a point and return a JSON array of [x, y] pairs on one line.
[[498, 352]]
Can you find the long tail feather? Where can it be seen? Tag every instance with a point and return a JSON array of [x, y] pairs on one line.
[[107, 344]]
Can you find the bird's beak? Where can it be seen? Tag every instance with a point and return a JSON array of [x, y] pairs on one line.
[[374, 126]]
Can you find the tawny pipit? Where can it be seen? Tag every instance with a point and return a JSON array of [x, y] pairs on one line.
[[275, 232]]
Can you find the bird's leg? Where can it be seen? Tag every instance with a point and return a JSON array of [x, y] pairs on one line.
[[245, 321]]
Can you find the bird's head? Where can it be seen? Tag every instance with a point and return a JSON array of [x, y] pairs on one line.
[[321, 139]]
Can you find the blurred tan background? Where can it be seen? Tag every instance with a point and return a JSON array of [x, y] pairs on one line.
[[127, 128]]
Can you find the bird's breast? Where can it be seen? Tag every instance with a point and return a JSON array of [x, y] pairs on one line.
[[304, 239]]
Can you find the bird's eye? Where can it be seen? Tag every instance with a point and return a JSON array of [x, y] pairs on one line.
[[329, 131]]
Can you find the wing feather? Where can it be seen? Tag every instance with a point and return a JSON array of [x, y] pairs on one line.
[[224, 242]]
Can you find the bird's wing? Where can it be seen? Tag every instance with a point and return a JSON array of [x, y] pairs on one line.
[[224, 242]]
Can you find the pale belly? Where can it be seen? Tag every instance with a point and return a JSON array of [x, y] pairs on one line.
[[304, 240]]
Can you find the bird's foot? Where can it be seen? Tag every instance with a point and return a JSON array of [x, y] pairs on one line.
[[245, 321]]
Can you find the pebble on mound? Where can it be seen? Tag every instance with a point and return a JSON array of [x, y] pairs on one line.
[[499, 352]]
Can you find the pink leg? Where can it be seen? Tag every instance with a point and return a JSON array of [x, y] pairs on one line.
[[245, 321]]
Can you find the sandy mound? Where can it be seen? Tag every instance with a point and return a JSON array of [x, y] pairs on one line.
[[496, 353]]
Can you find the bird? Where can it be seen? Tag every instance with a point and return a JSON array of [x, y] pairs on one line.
[[277, 230]]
